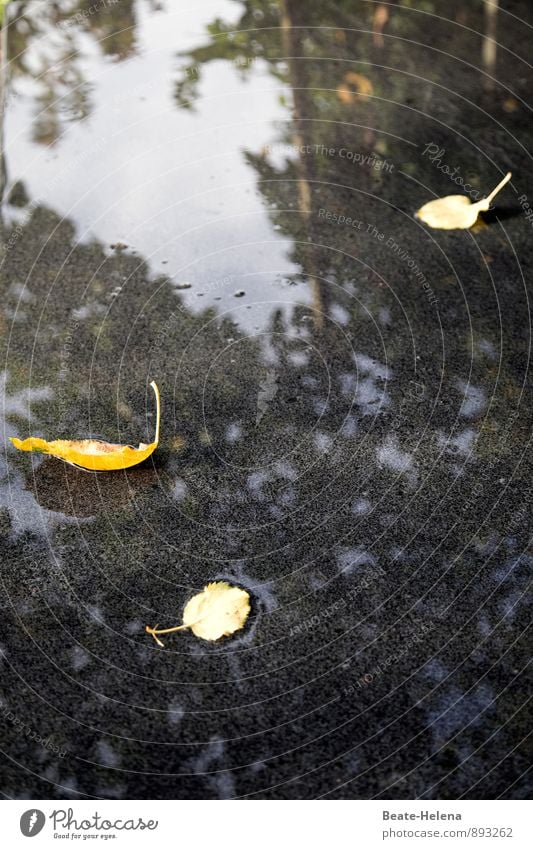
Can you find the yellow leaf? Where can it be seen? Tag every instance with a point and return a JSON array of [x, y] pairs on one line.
[[456, 212], [91, 453], [218, 611], [178, 443], [354, 87]]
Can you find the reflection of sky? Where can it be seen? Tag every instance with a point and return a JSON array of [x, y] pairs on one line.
[[454, 709], [355, 561], [25, 512], [473, 401], [170, 183], [391, 456]]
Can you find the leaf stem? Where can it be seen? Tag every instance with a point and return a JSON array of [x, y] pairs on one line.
[[499, 187], [158, 410], [156, 630]]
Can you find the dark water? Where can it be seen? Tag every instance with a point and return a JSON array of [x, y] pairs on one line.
[[346, 405]]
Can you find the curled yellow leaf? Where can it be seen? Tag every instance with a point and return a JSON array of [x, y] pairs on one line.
[[218, 611], [456, 212], [93, 454], [354, 87]]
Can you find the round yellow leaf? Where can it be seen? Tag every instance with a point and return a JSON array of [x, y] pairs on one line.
[[218, 611]]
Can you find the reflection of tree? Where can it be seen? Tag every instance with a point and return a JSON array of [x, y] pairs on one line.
[[327, 114], [489, 49], [45, 46], [3, 94], [240, 44], [112, 24]]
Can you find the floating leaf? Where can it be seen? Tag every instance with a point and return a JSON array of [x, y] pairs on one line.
[[354, 87], [456, 212], [218, 611], [91, 453], [177, 443]]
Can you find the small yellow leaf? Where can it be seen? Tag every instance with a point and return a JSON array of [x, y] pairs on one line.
[[354, 87], [218, 611], [204, 437], [177, 443], [456, 212], [91, 453]]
